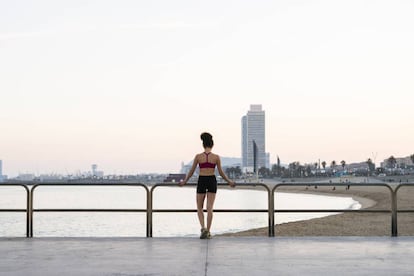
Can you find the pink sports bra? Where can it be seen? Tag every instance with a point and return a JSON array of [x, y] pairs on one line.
[[207, 164]]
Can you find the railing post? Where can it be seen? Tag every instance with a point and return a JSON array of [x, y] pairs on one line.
[[31, 210], [28, 193], [271, 213], [149, 212], [394, 208]]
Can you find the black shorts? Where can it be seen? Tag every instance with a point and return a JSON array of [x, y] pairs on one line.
[[206, 183]]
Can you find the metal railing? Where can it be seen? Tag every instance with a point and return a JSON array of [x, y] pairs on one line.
[[27, 210], [270, 221], [32, 210], [149, 210], [411, 185], [392, 210]]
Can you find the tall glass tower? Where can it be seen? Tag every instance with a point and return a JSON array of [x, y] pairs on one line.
[[253, 129]]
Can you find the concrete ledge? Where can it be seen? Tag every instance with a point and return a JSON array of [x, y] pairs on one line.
[[219, 256]]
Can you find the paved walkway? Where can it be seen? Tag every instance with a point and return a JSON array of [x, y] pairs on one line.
[[219, 256]]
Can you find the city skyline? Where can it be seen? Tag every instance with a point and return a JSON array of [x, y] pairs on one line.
[[131, 85], [253, 135]]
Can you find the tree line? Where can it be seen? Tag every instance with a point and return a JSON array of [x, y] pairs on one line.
[[296, 169]]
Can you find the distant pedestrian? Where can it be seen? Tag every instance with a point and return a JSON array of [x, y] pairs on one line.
[[207, 183]]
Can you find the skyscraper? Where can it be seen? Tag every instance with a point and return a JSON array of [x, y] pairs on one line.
[[253, 129]]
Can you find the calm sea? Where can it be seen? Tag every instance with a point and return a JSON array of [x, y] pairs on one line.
[[164, 224]]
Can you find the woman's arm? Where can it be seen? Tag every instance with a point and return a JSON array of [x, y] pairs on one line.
[[190, 173], [222, 174]]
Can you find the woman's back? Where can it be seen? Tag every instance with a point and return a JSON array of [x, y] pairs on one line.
[[207, 162]]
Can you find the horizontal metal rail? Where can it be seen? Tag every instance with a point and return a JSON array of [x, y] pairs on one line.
[[392, 209], [32, 210], [330, 211], [92, 210], [27, 210], [215, 210], [12, 210], [266, 188]]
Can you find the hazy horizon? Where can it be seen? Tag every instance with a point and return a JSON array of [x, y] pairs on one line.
[[131, 85]]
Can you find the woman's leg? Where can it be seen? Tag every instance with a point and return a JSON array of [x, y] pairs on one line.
[[210, 202], [200, 213]]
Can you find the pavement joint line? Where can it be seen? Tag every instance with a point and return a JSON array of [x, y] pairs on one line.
[[206, 265]]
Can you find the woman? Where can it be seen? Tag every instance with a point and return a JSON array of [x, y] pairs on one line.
[[207, 183]]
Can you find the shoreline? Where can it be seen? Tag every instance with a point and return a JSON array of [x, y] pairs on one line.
[[346, 224]]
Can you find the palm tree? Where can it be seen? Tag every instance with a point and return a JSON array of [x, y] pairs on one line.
[[278, 166], [371, 166], [316, 167], [333, 165], [264, 172], [233, 172], [308, 170], [323, 165], [229, 172], [276, 169], [412, 158], [343, 163], [238, 172], [292, 168], [295, 169], [391, 161]]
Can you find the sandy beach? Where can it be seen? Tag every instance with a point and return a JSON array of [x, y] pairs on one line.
[[350, 224]]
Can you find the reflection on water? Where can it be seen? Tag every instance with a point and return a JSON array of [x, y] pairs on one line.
[[164, 224]]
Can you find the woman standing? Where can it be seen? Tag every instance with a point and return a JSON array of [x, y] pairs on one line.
[[207, 183]]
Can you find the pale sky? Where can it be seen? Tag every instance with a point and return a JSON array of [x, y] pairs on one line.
[[130, 85]]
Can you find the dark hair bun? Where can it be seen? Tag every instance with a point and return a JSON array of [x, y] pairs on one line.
[[206, 136], [207, 139]]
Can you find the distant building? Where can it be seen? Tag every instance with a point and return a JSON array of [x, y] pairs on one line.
[[26, 177], [1, 171], [51, 177], [185, 168], [253, 131], [96, 173], [268, 160], [174, 177], [94, 169], [400, 162], [354, 167]]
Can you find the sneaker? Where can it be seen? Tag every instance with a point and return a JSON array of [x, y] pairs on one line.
[[208, 235], [204, 233]]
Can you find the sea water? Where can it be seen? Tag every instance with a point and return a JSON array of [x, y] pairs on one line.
[[64, 224]]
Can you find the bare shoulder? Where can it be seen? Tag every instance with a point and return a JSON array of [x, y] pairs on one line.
[[199, 156], [216, 157]]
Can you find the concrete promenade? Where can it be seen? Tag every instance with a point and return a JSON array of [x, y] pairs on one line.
[[219, 256]]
